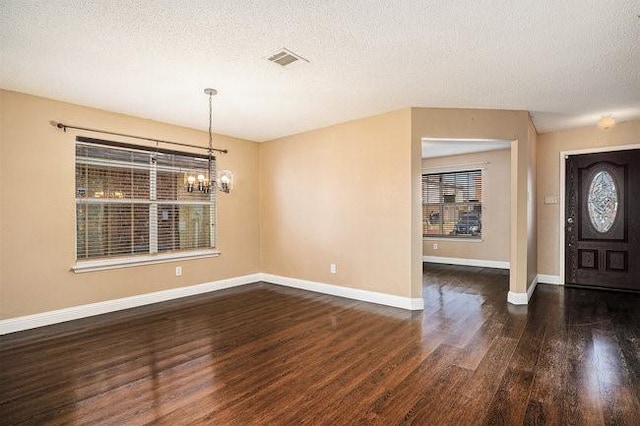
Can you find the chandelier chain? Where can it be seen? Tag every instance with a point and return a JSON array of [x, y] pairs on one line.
[[210, 119], [210, 177]]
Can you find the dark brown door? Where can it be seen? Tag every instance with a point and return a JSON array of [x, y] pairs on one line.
[[602, 220]]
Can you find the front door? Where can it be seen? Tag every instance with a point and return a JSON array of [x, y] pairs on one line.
[[602, 217]]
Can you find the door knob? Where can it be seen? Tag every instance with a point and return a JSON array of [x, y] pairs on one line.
[[570, 221]]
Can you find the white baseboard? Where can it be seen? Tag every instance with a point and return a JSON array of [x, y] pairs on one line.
[[523, 298], [27, 322], [517, 298], [549, 279], [467, 262], [414, 304]]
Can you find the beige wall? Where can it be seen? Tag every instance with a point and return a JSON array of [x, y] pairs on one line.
[[549, 147], [37, 215], [336, 168], [348, 194], [495, 207], [341, 195], [532, 229], [486, 124]]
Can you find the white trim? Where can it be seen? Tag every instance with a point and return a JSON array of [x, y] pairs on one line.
[[12, 325], [467, 262], [523, 298], [463, 240], [517, 298], [464, 139], [414, 304], [549, 279], [563, 171], [598, 149], [532, 288], [126, 262], [464, 167], [561, 207]]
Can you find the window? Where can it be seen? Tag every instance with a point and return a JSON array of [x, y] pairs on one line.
[[132, 203], [452, 204]]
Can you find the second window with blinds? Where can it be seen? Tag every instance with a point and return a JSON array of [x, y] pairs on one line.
[[134, 205], [452, 204]]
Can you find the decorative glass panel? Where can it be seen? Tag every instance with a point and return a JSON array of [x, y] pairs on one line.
[[602, 201]]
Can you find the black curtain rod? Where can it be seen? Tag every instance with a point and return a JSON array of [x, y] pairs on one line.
[[64, 127]]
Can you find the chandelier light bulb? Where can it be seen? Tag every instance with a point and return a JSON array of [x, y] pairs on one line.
[[225, 177], [190, 181]]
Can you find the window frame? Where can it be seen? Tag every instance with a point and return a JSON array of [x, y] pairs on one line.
[[452, 170], [150, 257]]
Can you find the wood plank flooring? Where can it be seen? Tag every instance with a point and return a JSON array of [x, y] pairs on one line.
[[268, 355]]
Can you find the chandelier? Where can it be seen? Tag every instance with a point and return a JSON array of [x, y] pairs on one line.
[[206, 183]]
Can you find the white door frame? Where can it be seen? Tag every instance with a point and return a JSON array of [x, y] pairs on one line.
[[563, 171]]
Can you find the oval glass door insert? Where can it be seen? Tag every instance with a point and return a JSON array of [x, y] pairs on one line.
[[602, 201]]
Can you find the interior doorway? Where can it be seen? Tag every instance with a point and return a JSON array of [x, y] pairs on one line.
[[466, 202]]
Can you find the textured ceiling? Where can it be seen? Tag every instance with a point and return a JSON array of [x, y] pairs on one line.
[[568, 62]]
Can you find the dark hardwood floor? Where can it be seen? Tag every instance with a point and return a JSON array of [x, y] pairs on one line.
[[263, 354]]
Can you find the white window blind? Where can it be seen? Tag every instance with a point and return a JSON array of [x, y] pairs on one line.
[[133, 201], [452, 204]]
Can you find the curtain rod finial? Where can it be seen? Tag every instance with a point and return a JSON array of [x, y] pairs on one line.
[[58, 125]]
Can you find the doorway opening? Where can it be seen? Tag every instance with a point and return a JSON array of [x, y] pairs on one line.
[[466, 193]]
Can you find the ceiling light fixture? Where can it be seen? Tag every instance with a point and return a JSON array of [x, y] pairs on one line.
[[606, 122]]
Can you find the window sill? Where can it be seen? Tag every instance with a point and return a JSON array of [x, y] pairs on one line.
[[461, 239], [127, 262]]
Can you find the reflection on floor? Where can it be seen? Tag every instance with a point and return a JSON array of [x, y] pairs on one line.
[[263, 354]]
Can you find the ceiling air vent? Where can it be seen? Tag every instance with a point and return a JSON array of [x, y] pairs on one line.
[[286, 58]]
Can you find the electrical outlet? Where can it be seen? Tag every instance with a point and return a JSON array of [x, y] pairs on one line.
[[435, 246], [334, 268], [178, 271]]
